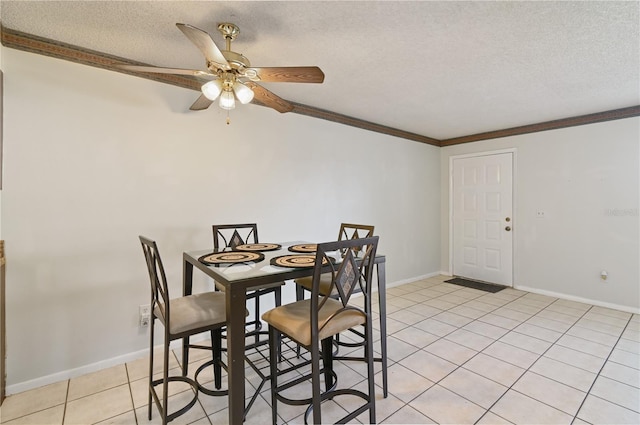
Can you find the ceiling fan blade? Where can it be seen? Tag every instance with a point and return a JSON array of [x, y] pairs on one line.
[[160, 70], [269, 99], [289, 74], [201, 103], [203, 41]]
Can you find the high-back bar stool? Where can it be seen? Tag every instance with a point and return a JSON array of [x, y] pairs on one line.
[[228, 237], [313, 323], [304, 284], [181, 317]]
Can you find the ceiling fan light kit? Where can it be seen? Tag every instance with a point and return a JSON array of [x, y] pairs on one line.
[[230, 74], [212, 89], [243, 93], [227, 101]]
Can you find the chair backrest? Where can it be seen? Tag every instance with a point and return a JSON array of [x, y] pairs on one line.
[[157, 277], [351, 273], [354, 231], [228, 236]]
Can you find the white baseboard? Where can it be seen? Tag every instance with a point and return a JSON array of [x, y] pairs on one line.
[[83, 370], [72, 373], [413, 279], [579, 299]]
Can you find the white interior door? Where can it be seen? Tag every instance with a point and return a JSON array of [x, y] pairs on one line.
[[482, 206]]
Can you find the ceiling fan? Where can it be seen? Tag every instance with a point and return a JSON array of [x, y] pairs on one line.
[[231, 74]]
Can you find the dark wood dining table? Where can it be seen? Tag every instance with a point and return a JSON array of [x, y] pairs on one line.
[[239, 278]]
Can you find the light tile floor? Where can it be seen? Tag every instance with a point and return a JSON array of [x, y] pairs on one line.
[[456, 355]]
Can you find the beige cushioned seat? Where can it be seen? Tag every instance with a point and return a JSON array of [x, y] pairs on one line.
[[293, 320], [194, 312]]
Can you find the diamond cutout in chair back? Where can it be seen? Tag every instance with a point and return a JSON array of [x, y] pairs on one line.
[[354, 231], [355, 235], [347, 277], [235, 240]]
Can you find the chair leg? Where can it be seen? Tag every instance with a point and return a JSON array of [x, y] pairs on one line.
[[274, 337], [299, 297], [327, 361], [315, 382], [165, 381], [257, 319], [278, 301], [185, 355], [299, 293], [278, 296], [216, 348], [150, 366], [370, 371]]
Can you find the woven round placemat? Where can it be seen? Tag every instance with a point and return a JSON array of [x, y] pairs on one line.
[[307, 247], [257, 247], [296, 261], [231, 257]]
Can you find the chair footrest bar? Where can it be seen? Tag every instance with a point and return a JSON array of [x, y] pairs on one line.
[[182, 410], [359, 359], [303, 401], [352, 344], [330, 395], [201, 387]]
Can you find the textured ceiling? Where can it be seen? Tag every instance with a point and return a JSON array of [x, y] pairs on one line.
[[438, 69]]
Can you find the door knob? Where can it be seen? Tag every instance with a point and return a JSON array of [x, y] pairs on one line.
[[508, 228]]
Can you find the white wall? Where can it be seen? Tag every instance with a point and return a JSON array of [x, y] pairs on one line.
[[95, 158], [586, 179]]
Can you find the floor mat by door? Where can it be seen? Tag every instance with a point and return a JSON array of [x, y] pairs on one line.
[[487, 287]]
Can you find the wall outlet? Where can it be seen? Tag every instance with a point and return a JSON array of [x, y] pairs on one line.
[[144, 312], [540, 214]]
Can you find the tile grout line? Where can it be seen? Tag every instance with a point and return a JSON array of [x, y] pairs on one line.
[[588, 392], [66, 400], [482, 351], [406, 404], [133, 405], [457, 366], [600, 371], [487, 410], [529, 368]]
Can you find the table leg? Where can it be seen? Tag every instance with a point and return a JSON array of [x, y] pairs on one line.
[[236, 305], [187, 289], [382, 299]]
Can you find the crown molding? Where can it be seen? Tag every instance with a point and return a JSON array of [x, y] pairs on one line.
[[55, 49], [311, 111], [616, 114]]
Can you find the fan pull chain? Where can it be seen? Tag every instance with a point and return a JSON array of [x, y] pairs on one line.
[[228, 118]]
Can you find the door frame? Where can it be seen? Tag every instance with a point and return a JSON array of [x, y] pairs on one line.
[[514, 215]]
